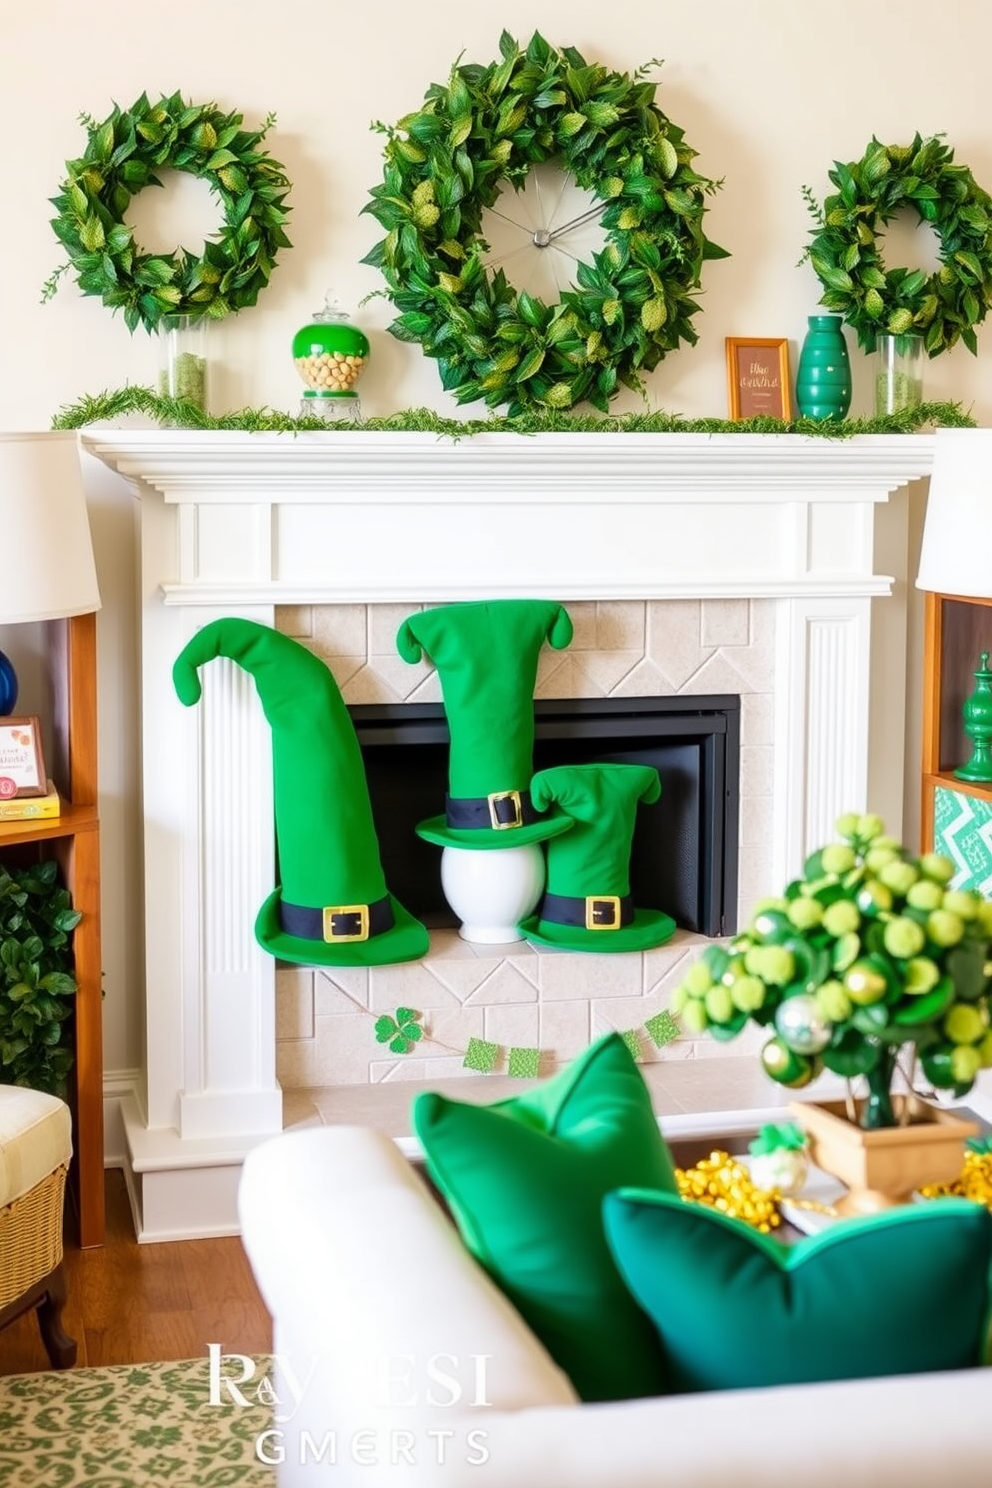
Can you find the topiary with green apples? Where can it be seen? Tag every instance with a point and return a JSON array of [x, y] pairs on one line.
[[868, 963]]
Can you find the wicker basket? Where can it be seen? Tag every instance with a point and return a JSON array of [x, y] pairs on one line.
[[31, 1236]]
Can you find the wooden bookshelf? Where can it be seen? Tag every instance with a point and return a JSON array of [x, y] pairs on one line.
[[73, 839]]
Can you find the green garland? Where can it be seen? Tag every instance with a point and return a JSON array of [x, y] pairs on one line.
[[447, 162], [941, 307], [180, 413], [121, 157]]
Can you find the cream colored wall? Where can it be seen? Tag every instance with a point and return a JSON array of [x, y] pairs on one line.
[[769, 93]]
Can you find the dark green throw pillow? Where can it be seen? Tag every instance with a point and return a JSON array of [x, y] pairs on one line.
[[898, 1293], [525, 1180]]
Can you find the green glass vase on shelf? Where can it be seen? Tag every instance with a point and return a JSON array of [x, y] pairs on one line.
[[898, 373], [977, 713], [823, 377]]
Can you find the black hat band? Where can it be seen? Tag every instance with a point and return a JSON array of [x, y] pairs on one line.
[[337, 924], [593, 912], [500, 811]]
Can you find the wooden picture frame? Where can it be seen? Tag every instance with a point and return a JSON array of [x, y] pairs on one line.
[[758, 379], [22, 763]]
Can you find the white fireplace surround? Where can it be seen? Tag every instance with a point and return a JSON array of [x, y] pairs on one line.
[[235, 523]]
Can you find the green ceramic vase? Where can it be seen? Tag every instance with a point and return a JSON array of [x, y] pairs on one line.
[[823, 378]]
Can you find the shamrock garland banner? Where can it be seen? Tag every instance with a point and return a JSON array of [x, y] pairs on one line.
[[403, 1030]]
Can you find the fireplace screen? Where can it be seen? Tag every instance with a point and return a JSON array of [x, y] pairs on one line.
[[684, 857]]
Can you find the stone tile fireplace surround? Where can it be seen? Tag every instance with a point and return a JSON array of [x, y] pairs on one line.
[[690, 564]]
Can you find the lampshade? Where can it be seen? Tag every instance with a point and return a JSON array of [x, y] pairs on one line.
[[46, 567], [956, 557]]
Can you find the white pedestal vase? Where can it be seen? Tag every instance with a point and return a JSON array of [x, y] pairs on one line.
[[492, 891]]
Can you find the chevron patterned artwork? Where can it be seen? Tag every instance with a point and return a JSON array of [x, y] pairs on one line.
[[962, 829]]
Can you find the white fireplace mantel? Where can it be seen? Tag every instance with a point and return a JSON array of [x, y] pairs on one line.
[[368, 517], [387, 467], [236, 523]]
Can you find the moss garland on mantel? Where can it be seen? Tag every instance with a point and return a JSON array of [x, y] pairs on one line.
[[180, 413]]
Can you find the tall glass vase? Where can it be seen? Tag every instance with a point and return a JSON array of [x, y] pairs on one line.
[[183, 358], [898, 373], [823, 377]]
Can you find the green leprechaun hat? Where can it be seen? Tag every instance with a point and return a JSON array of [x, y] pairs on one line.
[[486, 657], [587, 904], [332, 907]]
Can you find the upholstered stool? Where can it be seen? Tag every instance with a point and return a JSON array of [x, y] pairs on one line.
[[35, 1147]]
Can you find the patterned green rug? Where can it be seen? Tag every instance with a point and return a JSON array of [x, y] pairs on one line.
[[133, 1426]]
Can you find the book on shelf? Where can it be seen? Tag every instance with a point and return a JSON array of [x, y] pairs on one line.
[[30, 808]]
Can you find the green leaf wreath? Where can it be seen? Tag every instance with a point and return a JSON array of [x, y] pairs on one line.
[[941, 307], [121, 157], [447, 162]]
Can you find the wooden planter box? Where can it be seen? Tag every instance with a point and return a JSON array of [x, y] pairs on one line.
[[883, 1168]]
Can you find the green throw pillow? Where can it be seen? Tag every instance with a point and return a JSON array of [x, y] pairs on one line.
[[525, 1180], [896, 1293]]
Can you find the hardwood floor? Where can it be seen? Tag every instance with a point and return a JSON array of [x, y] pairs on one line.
[[133, 1304]]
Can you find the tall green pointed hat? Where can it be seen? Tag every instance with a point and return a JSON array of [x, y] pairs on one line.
[[486, 657], [587, 904], [332, 907]]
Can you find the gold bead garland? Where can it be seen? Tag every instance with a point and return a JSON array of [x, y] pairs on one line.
[[725, 1184], [973, 1182]]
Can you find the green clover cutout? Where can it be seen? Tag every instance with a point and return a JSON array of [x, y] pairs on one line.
[[401, 1031], [785, 1136]]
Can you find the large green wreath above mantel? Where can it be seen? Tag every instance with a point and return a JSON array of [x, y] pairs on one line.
[[448, 161]]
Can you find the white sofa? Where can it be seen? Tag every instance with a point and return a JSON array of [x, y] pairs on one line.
[[400, 1359]]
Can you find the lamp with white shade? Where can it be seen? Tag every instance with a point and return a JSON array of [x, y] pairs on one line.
[[48, 569], [956, 556]]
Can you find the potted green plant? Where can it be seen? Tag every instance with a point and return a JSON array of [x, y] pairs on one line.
[[868, 965], [37, 983]]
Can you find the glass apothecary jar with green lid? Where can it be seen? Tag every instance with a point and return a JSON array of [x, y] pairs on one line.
[[330, 355]]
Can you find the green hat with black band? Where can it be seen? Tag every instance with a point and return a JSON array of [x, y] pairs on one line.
[[486, 658], [587, 905], [332, 907]]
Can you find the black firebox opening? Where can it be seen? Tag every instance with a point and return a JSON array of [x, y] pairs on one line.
[[684, 858]]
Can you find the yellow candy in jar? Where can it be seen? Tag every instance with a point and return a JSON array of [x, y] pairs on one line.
[[330, 353]]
